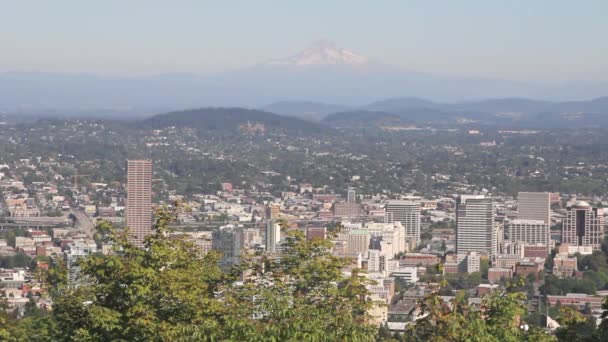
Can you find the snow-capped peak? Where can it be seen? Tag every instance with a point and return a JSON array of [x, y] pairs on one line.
[[322, 52]]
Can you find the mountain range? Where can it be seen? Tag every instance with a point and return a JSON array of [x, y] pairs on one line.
[[391, 114], [512, 112], [322, 73]]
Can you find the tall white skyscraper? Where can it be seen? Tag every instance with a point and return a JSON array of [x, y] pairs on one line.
[[476, 230], [534, 206], [408, 213], [273, 236], [139, 200]]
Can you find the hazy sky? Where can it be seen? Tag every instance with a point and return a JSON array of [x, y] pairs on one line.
[[524, 40]]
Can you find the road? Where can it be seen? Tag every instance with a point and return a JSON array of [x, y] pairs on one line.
[[84, 222]]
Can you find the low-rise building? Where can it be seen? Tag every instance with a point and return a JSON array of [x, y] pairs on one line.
[[529, 266], [577, 299], [564, 266], [409, 274], [496, 274], [506, 260], [483, 289], [415, 259]]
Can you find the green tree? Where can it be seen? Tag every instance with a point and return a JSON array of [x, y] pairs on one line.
[[575, 326], [301, 296], [4, 319], [496, 320], [142, 294], [165, 291]]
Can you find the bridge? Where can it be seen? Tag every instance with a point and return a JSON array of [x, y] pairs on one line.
[[40, 222], [84, 222]]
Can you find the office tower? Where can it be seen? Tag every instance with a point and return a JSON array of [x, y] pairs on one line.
[[203, 244], [512, 248], [583, 225], [534, 206], [273, 236], [350, 209], [347, 210], [73, 255], [351, 196], [273, 211], [476, 230], [358, 242], [531, 232], [252, 237], [375, 261], [139, 200], [387, 237], [408, 213], [228, 241]]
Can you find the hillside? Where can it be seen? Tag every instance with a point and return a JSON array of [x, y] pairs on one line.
[[307, 110], [366, 118], [232, 120], [516, 112]]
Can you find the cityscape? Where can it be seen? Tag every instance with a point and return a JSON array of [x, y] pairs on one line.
[[318, 194]]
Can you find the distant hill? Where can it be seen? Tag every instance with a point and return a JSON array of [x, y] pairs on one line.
[[232, 119], [401, 103], [520, 112], [307, 110], [365, 118]]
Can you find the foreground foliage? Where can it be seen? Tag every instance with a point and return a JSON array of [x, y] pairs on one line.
[[167, 292], [498, 319]]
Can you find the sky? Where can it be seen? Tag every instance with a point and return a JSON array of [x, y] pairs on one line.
[[541, 40]]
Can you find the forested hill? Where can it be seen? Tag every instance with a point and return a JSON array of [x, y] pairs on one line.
[[232, 119], [365, 118]]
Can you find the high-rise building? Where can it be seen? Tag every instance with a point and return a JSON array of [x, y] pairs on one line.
[[139, 200], [73, 255], [252, 237], [375, 261], [583, 225], [347, 210], [534, 206], [531, 232], [476, 230], [273, 236], [408, 213], [273, 211], [357, 242], [351, 196], [228, 240], [387, 237]]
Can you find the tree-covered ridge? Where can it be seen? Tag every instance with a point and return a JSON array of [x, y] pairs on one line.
[[231, 119], [365, 118]]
